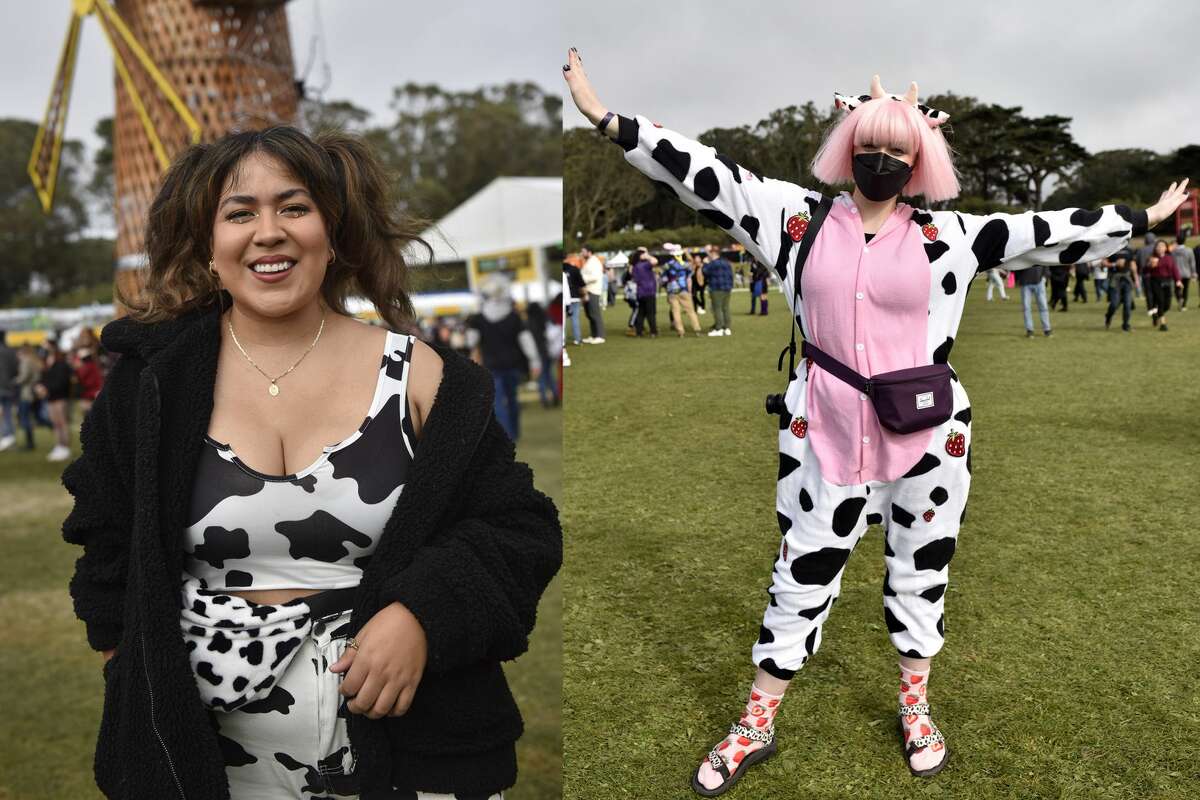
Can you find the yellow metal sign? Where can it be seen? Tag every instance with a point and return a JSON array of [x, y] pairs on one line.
[[517, 264]]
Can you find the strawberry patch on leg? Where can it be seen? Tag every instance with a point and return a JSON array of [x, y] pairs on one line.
[[928, 515], [799, 427], [956, 444]]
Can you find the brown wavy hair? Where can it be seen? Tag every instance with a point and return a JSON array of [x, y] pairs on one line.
[[348, 185]]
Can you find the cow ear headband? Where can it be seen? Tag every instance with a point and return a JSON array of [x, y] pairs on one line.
[[932, 116]]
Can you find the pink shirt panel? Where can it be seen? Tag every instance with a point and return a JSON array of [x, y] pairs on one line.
[[867, 305]]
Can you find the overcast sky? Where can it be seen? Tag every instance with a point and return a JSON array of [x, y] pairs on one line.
[[370, 46], [1127, 73]]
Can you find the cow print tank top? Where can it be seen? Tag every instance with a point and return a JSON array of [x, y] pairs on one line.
[[316, 528]]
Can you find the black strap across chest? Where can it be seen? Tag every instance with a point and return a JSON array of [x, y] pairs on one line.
[[806, 243]]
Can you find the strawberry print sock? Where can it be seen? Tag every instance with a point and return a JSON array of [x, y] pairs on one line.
[[759, 714], [914, 691]]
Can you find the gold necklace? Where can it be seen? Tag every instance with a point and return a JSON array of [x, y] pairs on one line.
[[273, 389]]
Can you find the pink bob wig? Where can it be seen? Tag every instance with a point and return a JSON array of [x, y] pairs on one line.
[[889, 122]]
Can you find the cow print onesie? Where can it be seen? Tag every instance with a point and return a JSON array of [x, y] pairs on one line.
[[265, 669], [892, 304]]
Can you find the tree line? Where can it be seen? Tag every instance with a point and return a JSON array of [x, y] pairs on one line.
[[1006, 161], [440, 147]]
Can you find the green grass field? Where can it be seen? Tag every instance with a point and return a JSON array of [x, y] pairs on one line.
[[52, 687], [1073, 614]]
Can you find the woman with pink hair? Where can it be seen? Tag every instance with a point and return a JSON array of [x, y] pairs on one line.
[[877, 428]]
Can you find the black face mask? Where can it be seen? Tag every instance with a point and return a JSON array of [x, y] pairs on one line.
[[879, 176]]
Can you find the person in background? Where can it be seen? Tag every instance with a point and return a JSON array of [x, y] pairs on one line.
[[574, 293], [593, 279], [540, 327], [610, 286], [54, 389], [718, 276], [677, 278], [1083, 272], [1122, 274], [629, 291], [8, 392], [1142, 258], [697, 261], [759, 284], [1100, 277], [646, 289], [29, 373], [1032, 288], [86, 361], [1185, 259], [995, 280], [1060, 276], [554, 339], [1164, 274], [499, 340]]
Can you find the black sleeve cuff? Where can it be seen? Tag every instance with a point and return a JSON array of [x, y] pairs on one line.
[[1141, 223], [627, 133]]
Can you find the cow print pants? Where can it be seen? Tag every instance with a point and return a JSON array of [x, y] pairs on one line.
[[293, 743], [821, 522]]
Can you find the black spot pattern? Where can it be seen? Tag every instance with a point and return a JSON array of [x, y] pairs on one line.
[[888, 591], [936, 555], [901, 516], [205, 670], [282, 649], [787, 465], [921, 218], [236, 578], [785, 250], [934, 594], [785, 522], [964, 416], [769, 666], [1086, 218], [962, 225], [888, 552], [731, 165], [935, 250], [813, 613], [253, 653], [313, 782], [750, 225], [1073, 252], [846, 515], [379, 463], [810, 642], [239, 682], [806, 502], [990, 243], [215, 482], [233, 754], [321, 537], [893, 625], [220, 643], [705, 184], [939, 495], [874, 519], [717, 217], [941, 626], [676, 162], [221, 544], [279, 700], [942, 354], [764, 635], [1041, 231], [820, 566], [308, 483], [949, 283]]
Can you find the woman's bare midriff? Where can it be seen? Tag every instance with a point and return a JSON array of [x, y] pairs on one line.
[[273, 597]]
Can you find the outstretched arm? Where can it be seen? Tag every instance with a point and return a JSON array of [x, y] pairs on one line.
[[1068, 236], [753, 210]]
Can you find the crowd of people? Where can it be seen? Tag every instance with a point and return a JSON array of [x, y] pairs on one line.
[[40, 385], [1160, 273], [693, 281]]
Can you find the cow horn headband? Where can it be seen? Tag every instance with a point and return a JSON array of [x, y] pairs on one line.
[[933, 117]]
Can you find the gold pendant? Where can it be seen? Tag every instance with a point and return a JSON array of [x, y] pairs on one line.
[[274, 390]]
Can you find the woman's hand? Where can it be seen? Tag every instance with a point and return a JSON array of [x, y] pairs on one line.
[[1170, 200], [581, 89], [381, 677]]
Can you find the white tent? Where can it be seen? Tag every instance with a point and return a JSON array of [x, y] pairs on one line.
[[517, 218]]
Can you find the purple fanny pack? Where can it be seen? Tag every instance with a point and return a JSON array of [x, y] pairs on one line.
[[905, 400]]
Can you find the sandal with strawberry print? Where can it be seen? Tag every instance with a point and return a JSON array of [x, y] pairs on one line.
[[933, 737], [718, 763]]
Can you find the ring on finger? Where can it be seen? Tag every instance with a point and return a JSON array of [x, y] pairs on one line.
[[351, 642]]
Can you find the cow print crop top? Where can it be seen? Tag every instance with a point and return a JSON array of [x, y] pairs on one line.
[[317, 528]]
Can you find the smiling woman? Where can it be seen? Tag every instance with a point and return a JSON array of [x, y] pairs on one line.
[[323, 618]]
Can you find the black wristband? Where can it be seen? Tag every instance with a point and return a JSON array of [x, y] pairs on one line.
[[603, 124]]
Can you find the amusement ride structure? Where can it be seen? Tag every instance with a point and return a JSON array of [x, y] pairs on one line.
[[187, 71]]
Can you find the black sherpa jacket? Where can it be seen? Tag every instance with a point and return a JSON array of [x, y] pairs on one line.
[[469, 549]]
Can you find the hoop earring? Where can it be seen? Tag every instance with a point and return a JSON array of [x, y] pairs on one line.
[[213, 272], [332, 257]]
